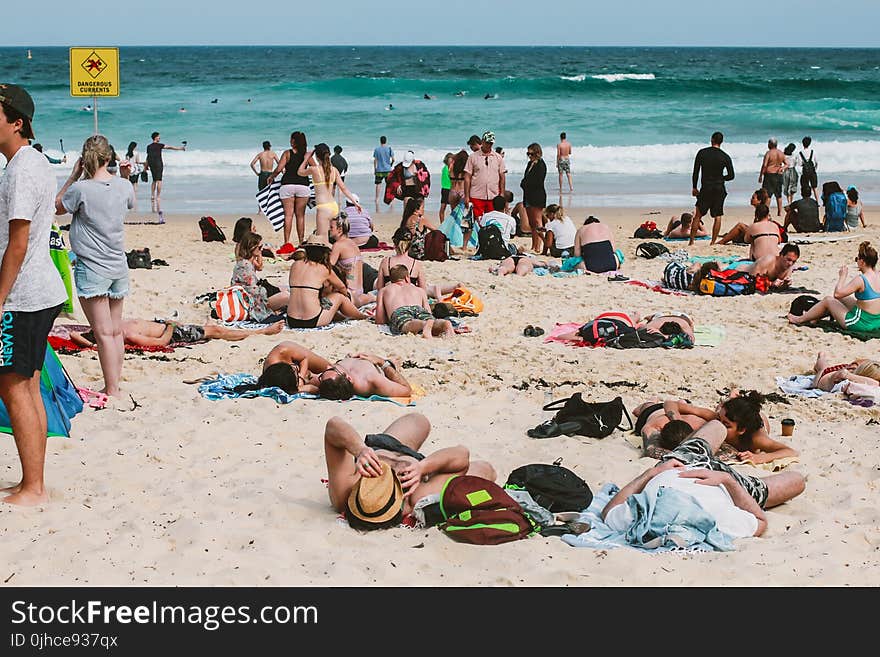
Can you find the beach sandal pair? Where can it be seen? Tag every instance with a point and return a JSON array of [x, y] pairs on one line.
[[552, 429], [533, 331]]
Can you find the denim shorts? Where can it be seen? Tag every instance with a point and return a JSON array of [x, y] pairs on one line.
[[89, 284]]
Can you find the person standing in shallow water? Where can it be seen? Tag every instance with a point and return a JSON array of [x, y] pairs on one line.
[[156, 166]]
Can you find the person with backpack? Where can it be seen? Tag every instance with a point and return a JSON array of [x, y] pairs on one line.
[[377, 480], [807, 163], [835, 203]]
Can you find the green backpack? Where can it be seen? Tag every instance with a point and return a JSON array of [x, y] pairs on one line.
[[479, 511]]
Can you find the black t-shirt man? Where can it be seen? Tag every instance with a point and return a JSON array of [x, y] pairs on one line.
[[804, 215]]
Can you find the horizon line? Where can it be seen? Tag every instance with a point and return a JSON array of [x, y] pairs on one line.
[[446, 45]]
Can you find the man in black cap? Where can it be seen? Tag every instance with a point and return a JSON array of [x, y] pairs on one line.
[[31, 291]]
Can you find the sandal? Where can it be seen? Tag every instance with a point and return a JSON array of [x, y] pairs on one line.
[[552, 429]]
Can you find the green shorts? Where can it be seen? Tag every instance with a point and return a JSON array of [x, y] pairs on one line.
[[860, 321], [405, 314]]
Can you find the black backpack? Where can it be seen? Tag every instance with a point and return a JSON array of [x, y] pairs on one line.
[[808, 169], [139, 259], [552, 486], [491, 244], [574, 416], [643, 233], [651, 249], [802, 304], [639, 339], [211, 232]]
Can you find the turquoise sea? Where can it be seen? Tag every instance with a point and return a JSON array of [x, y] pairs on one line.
[[635, 116]]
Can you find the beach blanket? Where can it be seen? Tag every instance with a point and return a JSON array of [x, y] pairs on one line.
[[684, 239], [814, 239], [709, 335], [248, 324], [830, 326], [721, 260], [602, 537], [223, 387], [801, 385], [270, 204], [656, 286], [382, 246]]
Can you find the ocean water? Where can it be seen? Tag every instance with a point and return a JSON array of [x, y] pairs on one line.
[[635, 116]]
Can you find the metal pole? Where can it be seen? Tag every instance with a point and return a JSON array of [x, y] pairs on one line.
[[95, 111]]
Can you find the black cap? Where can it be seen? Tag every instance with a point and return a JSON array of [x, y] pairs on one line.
[[19, 100]]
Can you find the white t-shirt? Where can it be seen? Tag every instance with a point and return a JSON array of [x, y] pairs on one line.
[[715, 500], [27, 191], [505, 221], [563, 232], [807, 152]]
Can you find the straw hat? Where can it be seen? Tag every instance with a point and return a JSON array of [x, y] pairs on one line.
[[313, 239], [376, 500]]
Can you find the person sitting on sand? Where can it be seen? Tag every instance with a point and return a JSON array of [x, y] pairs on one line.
[[594, 244], [388, 475], [776, 268], [861, 370], [405, 308], [678, 276], [749, 494], [747, 427], [763, 236], [307, 308], [413, 220], [161, 333], [803, 214], [346, 255], [401, 240], [249, 261], [361, 374], [559, 231], [680, 227], [360, 224], [855, 305]]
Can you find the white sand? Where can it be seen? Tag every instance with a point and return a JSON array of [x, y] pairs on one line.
[[185, 491]]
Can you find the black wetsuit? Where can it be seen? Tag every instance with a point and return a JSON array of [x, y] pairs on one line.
[[154, 159], [713, 162]]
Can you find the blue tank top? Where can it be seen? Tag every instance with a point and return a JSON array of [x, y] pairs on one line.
[[868, 294]]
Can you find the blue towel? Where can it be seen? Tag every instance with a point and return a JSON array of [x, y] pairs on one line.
[[682, 239]]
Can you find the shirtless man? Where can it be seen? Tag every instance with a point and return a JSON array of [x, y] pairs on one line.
[[770, 175], [396, 449], [763, 235], [267, 159], [680, 227], [563, 160], [146, 333], [405, 308], [778, 268], [361, 374], [594, 244]]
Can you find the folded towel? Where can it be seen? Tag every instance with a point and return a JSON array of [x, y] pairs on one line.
[[708, 335]]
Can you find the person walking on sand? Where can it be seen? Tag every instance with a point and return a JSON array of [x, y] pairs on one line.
[[563, 160], [31, 291], [716, 168], [267, 158], [405, 308], [156, 166], [383, 159], [99, 202], [770, 175]]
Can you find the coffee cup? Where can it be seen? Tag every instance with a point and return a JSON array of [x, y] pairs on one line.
[[787, 426]]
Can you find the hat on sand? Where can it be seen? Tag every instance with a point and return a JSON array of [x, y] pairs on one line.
[[19, 100], [374, 501], [408, 158], [489, 137]]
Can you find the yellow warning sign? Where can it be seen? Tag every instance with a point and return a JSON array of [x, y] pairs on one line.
[[94, 71]]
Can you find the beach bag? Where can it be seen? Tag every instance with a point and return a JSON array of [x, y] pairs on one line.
[[639, 339], [464, 301], [552, 486], [61, 260], [651, 249], [232, 304], [648, 230], [139, 259], [727, 283], [835, 212], [491, 244], [479, 511], [211, 232], [604, 327], [581, 418], [436, 246], [802, 304], [369, 276]]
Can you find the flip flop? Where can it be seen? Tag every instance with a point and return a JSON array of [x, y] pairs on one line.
[[550, 429]]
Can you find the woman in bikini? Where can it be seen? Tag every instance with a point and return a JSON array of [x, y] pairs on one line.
[[855, 305], [763, 236], [294, 192], [346, 255], [861, 370], [401, 240], [324, 176], [307, 277]]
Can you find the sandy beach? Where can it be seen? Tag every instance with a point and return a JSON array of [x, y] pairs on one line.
[[169, 488]]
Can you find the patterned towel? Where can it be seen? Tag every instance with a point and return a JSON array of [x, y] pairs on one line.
[[655, 286], [248, 324]]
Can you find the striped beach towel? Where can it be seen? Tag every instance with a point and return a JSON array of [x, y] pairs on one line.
[[270, 204]]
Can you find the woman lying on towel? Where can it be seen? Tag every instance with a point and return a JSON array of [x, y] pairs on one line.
[[855, 305], [594, 244], [861, 370], [667, 323]]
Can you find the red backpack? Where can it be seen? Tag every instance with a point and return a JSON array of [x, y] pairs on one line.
[[727, 283], [436, 246], [211, 232]]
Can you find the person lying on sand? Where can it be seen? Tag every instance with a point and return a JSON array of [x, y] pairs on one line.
[[389, 475], [519, 264], [667, 323], [695, 457], [361, 374], [747, 428], [680, 227], [861, 370], [405, 308], [777, 268], [161, 333]]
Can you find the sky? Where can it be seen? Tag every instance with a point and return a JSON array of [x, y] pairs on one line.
[[782, 23]]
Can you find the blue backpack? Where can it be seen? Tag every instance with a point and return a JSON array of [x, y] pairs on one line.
[[835, 211]]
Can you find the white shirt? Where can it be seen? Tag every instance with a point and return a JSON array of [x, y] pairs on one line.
[[27, 191], [563, 232], [504, 221], [807, 152]]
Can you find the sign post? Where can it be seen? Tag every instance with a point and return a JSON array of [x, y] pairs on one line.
[[94, 72]]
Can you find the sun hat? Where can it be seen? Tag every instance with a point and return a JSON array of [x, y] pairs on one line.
[[375, 500], [489, 137], [313, 240], [408, 158]]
